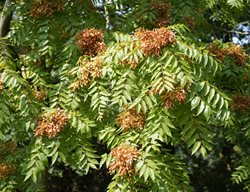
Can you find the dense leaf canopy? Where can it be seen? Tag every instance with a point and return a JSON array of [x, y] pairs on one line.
[[145, 91]]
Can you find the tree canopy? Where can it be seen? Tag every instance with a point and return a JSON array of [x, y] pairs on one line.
[[143, 95]]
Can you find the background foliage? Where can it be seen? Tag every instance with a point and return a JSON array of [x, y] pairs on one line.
[[113, 116]]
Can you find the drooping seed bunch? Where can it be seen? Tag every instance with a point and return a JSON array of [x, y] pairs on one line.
[[217, 51], [6, 170], [190, 21], [152, 41], [45, 8], [132, 64], [128, 61], [76, 85], [8, 147], [51, 123], [88, 71], [130, 119], [163, 15], [91, 41], [237, 53], [124, 160], [240, 103], [39, 95], [171, 98], [234, 51]]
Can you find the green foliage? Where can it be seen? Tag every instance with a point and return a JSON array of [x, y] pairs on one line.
[[49, 62]]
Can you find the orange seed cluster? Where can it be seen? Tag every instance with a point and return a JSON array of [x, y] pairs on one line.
[[152, 41], [51, 123], [45, 8], [163, 16], [234, 51], [88, 71], [240, 103], [91, 41], [173, 97], [237, 53], [6, 170], [130, 119], [91, 70], [190, 21], [132, 64], [217, 51], [8, 147], [39, 95], [75, 85], [124, 159]]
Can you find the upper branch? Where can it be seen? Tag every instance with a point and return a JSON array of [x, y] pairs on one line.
[[5, 21]]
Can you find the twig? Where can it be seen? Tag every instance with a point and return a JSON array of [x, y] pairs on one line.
[[231, 31], [5, 20], [106, 12]]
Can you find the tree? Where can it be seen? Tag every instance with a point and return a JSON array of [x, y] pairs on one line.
[[133, 89]]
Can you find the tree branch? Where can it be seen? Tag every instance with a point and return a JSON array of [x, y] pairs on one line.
[[5, 21], [231, 31], [106, 12]]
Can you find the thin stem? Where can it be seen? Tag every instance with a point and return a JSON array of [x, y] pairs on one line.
[[106, 12], [5, 20], [231, 31]]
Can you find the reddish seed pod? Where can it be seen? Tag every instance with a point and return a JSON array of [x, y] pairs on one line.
[[163, 16], [91, 41], [233, 51], [219, 53], [39, 95], [130, 119], [88, 71], [237, 53], [240, 103], [45, 8], [152, 41], [51, 123], [6, 169], [174, 97], [124, 159]]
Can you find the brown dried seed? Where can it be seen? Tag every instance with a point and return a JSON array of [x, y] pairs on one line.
[[75, 85], [240, 103], [173, 97], [163, 16], [45, 8], [90, 41], [130, 119], [152, 41], [6, 169], [215, 50], [51, 123], [39, 95], [9, 146], [124, 159], [190, 21], [237, 53], [234, 51], [89, 70]]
